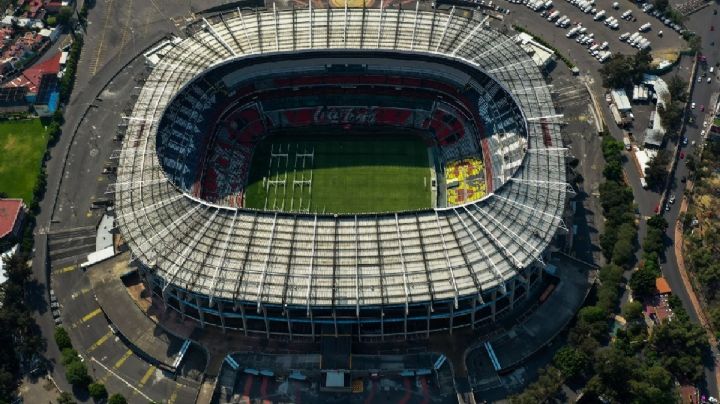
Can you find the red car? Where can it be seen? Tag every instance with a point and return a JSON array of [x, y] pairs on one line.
[[657, 208], [682, 155]]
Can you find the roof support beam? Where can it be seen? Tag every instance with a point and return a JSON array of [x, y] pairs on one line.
[[496, 272], [232, 34], [152, 207], [543, 119], [218, 37], [311, 266], [380, 25], [357, 271], [530, 208], [414, 31], [345, 26], [275, 20], [310, 23], [549, 150], [402, 262], [524, 244], [177, 264], [511, 65], [223, 257], [556, 185], [497, 242], [167, 229], [245, 31], [267, 262], [494, 45], [469, 35], [445, 28], [447, 258]]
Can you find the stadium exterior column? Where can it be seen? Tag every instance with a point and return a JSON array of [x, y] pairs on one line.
[[512, 294], [287, 315], [312, 324], [222, 315], [429, 311], [181, 304], [492, 305], [267, 323], [201, 314], [472, 313], [405, 326], [242, 315], [335, 323], [382, 324]]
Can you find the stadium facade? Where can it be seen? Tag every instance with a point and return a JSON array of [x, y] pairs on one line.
[[300, 274]]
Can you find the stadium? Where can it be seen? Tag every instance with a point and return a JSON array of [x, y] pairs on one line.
[[380, 173]]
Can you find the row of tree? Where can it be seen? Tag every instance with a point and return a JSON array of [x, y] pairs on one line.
[[580, 361], [76, 372], [20, 338]]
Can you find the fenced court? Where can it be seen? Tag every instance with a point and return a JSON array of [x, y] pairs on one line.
[[339, 173]]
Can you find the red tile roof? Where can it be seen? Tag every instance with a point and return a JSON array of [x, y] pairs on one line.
[[662, 286], [50, 66], [9, 212]]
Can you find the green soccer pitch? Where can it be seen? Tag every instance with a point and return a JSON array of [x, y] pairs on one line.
[[340, 174]]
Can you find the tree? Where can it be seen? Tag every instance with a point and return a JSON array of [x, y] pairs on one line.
[[633, 311], [658, 222], [679, 346], [117, 399], [593, 314], [661, 5], [68, 355], [66, 398], [64, 15], [570, 361], [62, 339], [615, 71], [677, 88], [642, 283], [76, 374], [657, 170], [97, 391]]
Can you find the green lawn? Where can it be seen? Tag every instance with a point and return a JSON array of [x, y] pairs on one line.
[[348, 174], [22, 145]]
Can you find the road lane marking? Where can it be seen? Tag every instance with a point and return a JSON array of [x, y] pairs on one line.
[[123, 359], [121, 379], [99, 342], [146, 377], [126, 28], [87, 317], [94, 64], [80, 292], [66, 269], [90, 315], [174, 394]]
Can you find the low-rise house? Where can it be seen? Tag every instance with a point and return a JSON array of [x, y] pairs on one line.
[[12, 214]]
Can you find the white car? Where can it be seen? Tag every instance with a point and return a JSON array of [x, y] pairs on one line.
[[692, 106]]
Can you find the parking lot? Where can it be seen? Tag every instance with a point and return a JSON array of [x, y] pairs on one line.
[[594, 31]]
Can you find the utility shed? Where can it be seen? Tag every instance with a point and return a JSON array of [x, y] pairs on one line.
[[620, 99]]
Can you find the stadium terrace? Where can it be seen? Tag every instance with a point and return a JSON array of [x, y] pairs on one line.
[[225, 191]]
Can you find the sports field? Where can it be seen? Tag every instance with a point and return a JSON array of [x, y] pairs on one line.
[[22, 145], [340, 174]]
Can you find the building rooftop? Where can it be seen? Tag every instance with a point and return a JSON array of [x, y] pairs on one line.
[[9, 212]]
